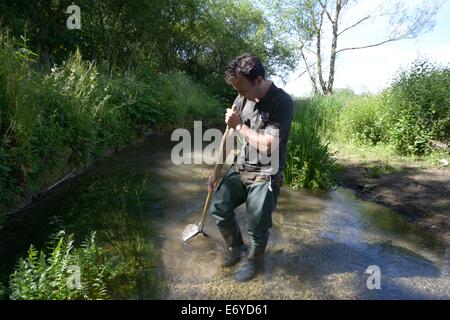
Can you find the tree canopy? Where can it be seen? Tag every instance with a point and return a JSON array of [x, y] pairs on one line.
[[195, 36]]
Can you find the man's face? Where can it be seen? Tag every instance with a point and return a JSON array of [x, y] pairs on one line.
[[246, 88]]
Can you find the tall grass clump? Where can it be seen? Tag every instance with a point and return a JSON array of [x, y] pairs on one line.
[[364, 119], [309, 162], [67, 107], [419, 107], [55, 277]]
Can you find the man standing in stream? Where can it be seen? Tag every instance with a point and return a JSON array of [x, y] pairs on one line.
[[262, 118]]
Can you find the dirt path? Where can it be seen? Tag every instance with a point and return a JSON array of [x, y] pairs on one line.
[[421, 195]]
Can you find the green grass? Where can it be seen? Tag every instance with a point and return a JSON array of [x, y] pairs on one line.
[[360, 128], [363, 119], [385, 153], [378, 152]]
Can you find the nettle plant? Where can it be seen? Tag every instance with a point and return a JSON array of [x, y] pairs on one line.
[[68, 273]]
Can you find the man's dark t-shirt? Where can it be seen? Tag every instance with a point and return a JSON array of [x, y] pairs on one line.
[[271, 115]]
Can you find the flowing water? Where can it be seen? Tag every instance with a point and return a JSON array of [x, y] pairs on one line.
[[320, 247]]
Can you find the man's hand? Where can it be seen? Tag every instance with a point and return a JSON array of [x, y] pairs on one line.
[[232, 118], [211, 184], [212, 181]]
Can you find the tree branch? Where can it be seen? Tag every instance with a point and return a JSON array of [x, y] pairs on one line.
[[302, 73], [311, 51], [355, 24], [308, 69], [370, 46], [324, 7]]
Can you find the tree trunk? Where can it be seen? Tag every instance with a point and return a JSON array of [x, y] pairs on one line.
[[332, 60], [335, 25], [323, 84]]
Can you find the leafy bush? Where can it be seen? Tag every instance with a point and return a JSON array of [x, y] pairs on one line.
[[309, 163], [135, 101], [419, 107], [53, 278]]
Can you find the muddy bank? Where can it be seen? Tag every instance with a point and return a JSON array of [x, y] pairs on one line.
[[421, 195]]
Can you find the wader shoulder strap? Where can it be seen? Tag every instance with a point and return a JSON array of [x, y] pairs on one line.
[[243, 105]]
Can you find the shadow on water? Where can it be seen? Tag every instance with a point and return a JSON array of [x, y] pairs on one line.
[[119, 204], [323, 247], [336, 270], [341, 258], [350, 216]]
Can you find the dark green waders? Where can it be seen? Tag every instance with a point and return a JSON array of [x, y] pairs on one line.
[[261, 200]]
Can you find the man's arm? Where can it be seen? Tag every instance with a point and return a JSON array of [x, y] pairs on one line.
[[261, 141]]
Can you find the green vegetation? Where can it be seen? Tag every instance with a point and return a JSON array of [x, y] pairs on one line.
[[364, 120], [68, 97], [407, 116], [117, 261], [116, 204], [396, 125], [39, 277], [419, 102], [197, 37], [309, 163], [73, 115]]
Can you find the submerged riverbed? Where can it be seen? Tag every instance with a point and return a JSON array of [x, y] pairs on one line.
[[320, 246]]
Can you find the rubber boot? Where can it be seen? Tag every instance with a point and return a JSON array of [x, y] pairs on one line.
[[254, 263], [235, 245]]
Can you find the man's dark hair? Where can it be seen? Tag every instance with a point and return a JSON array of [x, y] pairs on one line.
[[246, 65]]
